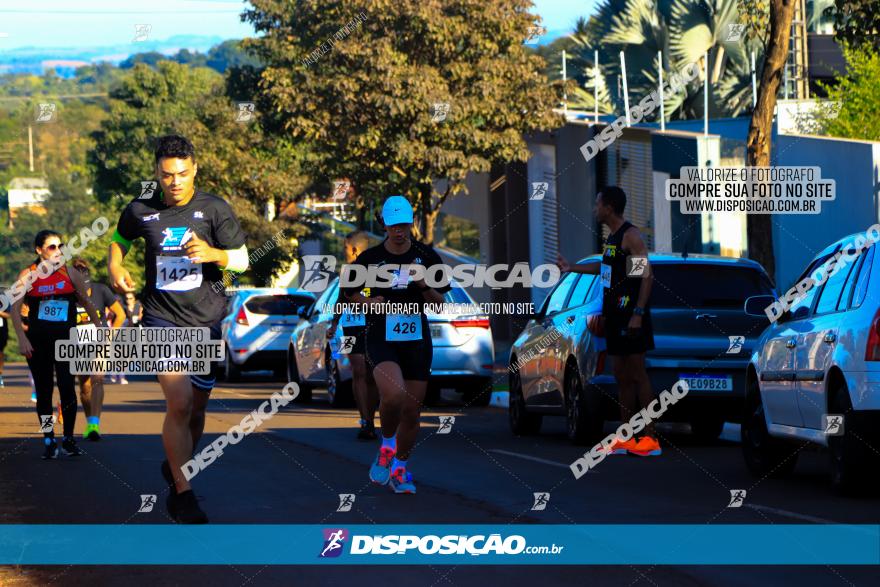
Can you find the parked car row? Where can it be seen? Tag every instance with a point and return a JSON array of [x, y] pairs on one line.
[[812, 376], [463, 352], [285, 331]]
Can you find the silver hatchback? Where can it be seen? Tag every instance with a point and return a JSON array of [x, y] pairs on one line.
[[463, 352]]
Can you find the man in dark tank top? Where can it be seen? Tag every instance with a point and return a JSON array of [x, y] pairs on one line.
[[626, 282]]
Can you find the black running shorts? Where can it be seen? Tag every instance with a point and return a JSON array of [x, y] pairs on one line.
[[622, 342], [413, 358]]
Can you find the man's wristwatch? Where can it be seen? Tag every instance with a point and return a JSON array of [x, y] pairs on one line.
[[639, 311]]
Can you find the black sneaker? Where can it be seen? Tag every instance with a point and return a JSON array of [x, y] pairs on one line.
[[184, 508], [169, 478], [51, 451], [69, 448], [93, 435], [367, 432]]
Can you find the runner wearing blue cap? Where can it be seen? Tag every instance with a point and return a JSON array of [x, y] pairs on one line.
[[399, 348]]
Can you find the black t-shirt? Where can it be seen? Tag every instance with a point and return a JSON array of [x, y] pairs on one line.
[[185, 293], [418, 254], [101, 297]]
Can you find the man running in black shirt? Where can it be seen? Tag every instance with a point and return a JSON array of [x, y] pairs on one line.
[[399, 348], [190, 237], [626, 313], [91, 387]]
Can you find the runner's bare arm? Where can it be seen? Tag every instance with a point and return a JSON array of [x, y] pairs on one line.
[[24, 344], [120, 278], [566, 267], [118, 315]]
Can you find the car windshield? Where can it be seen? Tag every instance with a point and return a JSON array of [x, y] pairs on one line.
[[283, 305], [705, 285]]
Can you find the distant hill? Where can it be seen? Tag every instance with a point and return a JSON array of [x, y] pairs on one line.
[[36, 59]]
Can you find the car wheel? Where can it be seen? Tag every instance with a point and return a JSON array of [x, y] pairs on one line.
[[305, 392], [764, 454], [478, 393], [522, 423], [852, 469], [232, 371], [707, 429], [584, 423], [339, 392]]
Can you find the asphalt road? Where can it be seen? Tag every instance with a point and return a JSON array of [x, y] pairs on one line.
[[292, 469]]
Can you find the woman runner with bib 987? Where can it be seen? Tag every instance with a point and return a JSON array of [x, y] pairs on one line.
[[51, 300]]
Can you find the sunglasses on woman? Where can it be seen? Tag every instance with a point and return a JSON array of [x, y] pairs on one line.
[[54, 247]]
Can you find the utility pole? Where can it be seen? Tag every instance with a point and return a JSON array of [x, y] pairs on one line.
[[31, 147]]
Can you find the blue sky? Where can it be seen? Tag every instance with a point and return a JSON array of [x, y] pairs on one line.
[[90, 23]]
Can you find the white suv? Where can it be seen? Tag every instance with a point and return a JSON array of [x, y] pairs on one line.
[[815, 375]]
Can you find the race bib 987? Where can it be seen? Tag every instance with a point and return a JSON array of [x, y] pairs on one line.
[[53, 310]]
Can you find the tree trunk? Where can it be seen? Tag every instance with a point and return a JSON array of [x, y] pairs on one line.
[[759, 227], [428, 214]]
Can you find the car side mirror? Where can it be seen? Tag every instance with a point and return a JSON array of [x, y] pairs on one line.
[[302, 311], [761, 305]]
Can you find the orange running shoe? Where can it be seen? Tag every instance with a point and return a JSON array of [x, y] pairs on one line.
[[646, 447], [620, 447]]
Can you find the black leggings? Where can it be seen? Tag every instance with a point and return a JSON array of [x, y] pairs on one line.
[[42, 362]]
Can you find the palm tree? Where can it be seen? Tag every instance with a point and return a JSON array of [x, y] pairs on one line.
[[685, 30]]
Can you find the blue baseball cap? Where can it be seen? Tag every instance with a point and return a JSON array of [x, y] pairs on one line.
[[397, 210]]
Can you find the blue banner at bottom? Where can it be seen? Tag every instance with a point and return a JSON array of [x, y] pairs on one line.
[[415, 544]]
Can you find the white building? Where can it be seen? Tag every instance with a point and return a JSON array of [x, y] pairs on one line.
[[27, 192]]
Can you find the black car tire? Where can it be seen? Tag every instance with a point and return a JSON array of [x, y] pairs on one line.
[[765, 455], [231, 371], [340, 393], [522, 422], [853, 464], [584, 418], [305, 391]]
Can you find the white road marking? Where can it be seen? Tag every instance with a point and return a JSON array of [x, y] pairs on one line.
[[788, 514], [528, 458]]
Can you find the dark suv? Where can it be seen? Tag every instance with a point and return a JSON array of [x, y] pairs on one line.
[[702, 333]]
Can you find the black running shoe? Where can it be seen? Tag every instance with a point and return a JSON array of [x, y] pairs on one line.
[[93, 435], [367, 432], [184, 508], [169, 478], [69, 448], [51, 451]]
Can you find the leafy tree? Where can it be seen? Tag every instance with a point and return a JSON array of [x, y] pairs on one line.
[[357, 80], [853, 107], [857, 23], [236, 159], [60, 150]]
